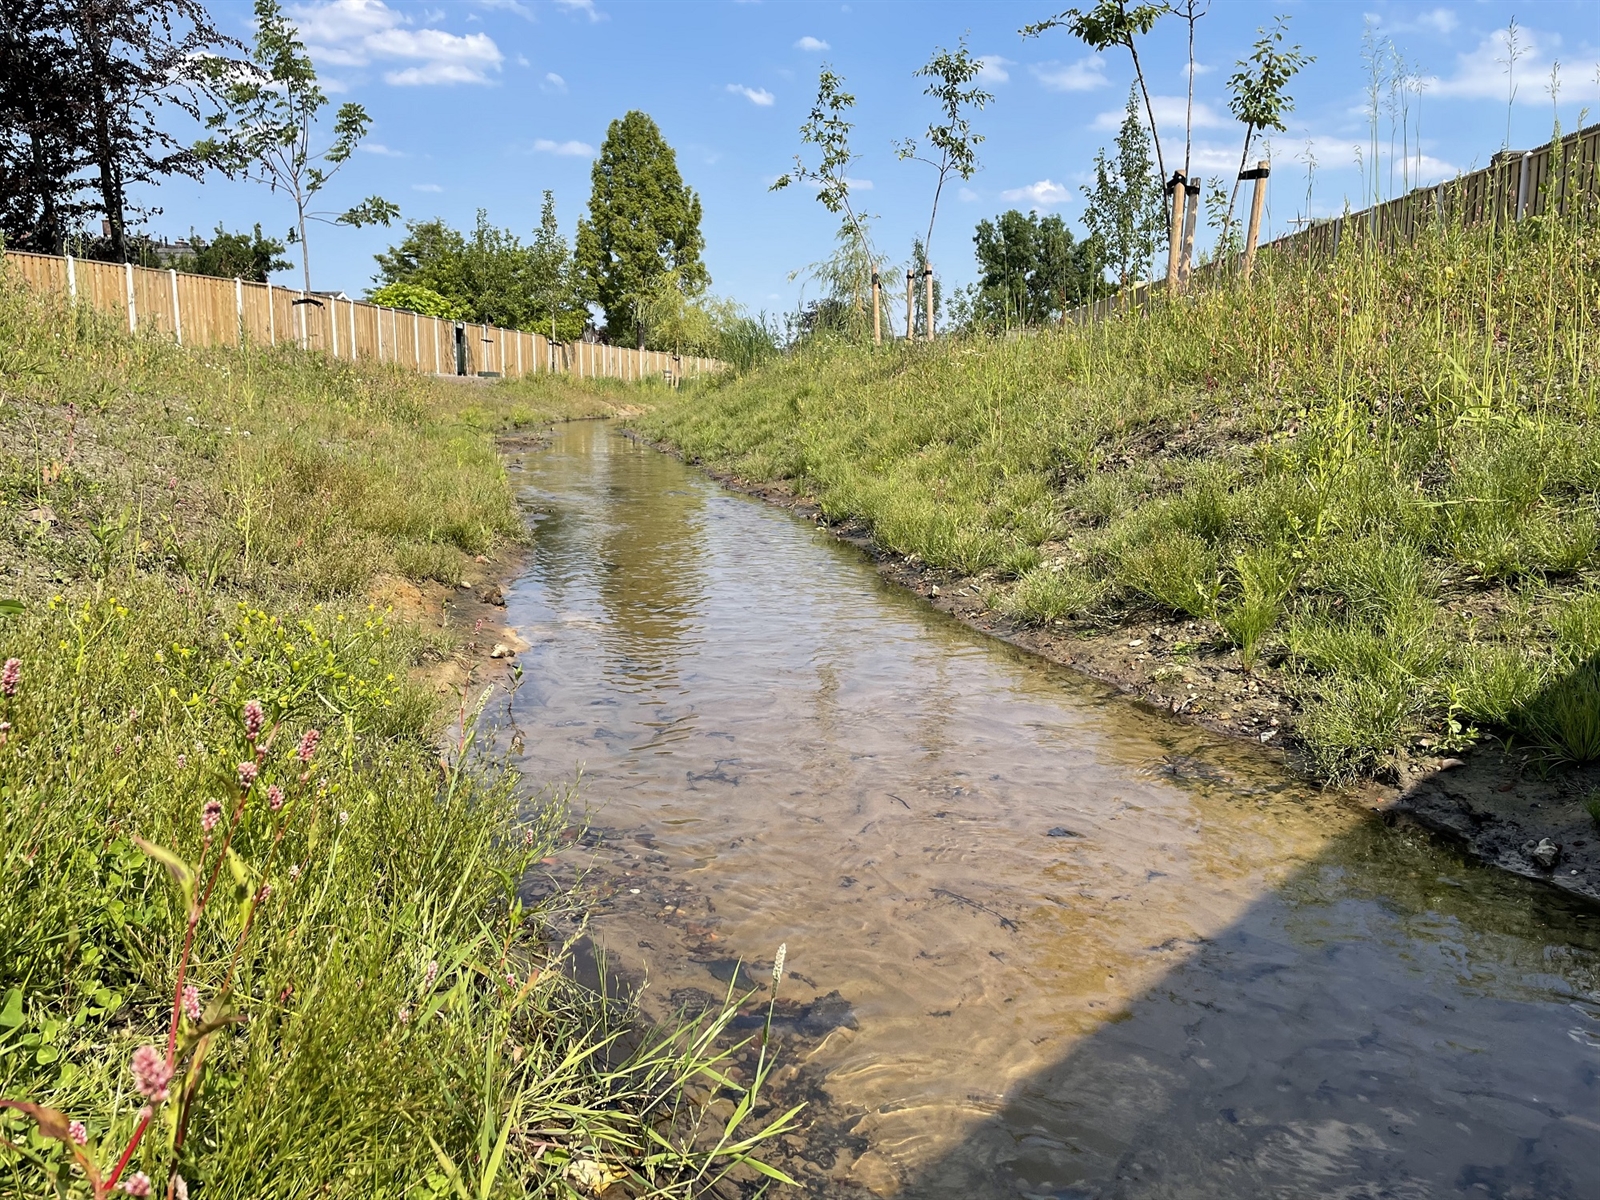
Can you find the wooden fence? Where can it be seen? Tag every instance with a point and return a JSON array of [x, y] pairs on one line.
[[203, 310], [1554, 180]]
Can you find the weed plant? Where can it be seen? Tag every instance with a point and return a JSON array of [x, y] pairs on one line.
[[260, 937], [1378, 472]]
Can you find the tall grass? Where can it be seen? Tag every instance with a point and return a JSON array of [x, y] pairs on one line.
[[1379, 472], [379, 1012]]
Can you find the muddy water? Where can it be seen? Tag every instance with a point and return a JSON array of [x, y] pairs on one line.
[[1040, 942]]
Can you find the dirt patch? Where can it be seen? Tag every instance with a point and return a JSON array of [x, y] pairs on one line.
[[1494, 804]]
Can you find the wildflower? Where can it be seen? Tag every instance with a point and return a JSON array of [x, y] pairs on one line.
[[527, 837], [430, 975], [10, 677], [137, 1184], [294, 872], [264, 891], [78, 1132], [254, 719], [180, 1187], [275, 797], [210, 815], [777, 963], [308, 745], [151, 1073], [511, 980], [344, 817], [191, 1002], [403, 1014], [247, 775], [183, 761], [5, 730]]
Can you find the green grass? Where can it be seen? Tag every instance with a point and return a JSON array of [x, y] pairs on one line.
[[186, 531], [1377, 475]]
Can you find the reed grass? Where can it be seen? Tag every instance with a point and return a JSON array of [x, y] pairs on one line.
[[185, 532], [1377, 472]]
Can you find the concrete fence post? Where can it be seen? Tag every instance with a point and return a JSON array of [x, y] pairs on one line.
[[238, 306], [1522, 184], [133, 307], [72, 280], [177, 316], [333, 325], [272, 319]]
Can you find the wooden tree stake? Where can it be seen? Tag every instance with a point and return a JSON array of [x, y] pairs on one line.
[[1257, 199]]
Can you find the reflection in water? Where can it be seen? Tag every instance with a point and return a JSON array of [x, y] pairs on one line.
[[1078, 950]]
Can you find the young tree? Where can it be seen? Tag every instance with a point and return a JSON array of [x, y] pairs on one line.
[[1191, 11], [952, 146], [42, 148], [643, 222], [264, 131], [1113, 23], [558, 305], [828, 129], [1256, 96], [1125, 213]]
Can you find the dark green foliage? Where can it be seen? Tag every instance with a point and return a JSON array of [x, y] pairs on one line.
[[1031, 270], [643, 225], [234, 255]]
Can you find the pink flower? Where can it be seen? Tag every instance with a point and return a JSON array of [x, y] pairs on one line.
[[137, 1184], [183, 761], [275, 797], [294, 872], [210, 815], [430, 975], [264, 891], [247, 775], [78, 1132], [254, 719], [151, 1073], [191, 1002], [10, 677], [308, 745], [403, 1015]]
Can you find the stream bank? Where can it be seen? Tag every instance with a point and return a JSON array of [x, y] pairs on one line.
[[1493, 803]]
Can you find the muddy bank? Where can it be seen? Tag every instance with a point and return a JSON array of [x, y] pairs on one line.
[[1499, 805]]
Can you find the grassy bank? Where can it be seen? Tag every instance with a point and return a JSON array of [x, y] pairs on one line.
[[185, 536], [1373, 478]]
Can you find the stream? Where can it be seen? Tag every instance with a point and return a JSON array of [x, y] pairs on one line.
[[1041, 942]]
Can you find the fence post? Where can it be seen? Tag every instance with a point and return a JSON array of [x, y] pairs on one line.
[[272, 319], [377, 314], [1257, 199], [72, 280], [238, 306], [416, 341], [333, 325], [133, 309], [911, 307], [927, 280], [177, 316], [353, 354], [1522, 184]]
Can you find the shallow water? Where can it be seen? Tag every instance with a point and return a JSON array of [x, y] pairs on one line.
[[1067, 947]]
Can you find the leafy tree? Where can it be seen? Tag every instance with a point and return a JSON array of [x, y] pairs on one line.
[[1125, 213], [42, 150], [413, 297], [264, 130], [1113, 23], [952, 146], [1256, 93], [558, 307], [1031, 270], [643, 224], [848, 271], [234, 256]]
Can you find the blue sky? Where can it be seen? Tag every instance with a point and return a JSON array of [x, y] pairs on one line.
[[485, 104]]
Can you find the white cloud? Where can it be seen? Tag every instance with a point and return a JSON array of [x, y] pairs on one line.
[[581, 6], [992, 69], [522, 61], [355, 33], [571, 149], [1044, 194], [553, 83], [1082, 76], [426, 187], [810, 43], [760, 97], [1480, 73], [966, 195], [1169, 112], [1441, 21], [510, 6], [381, 150]]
